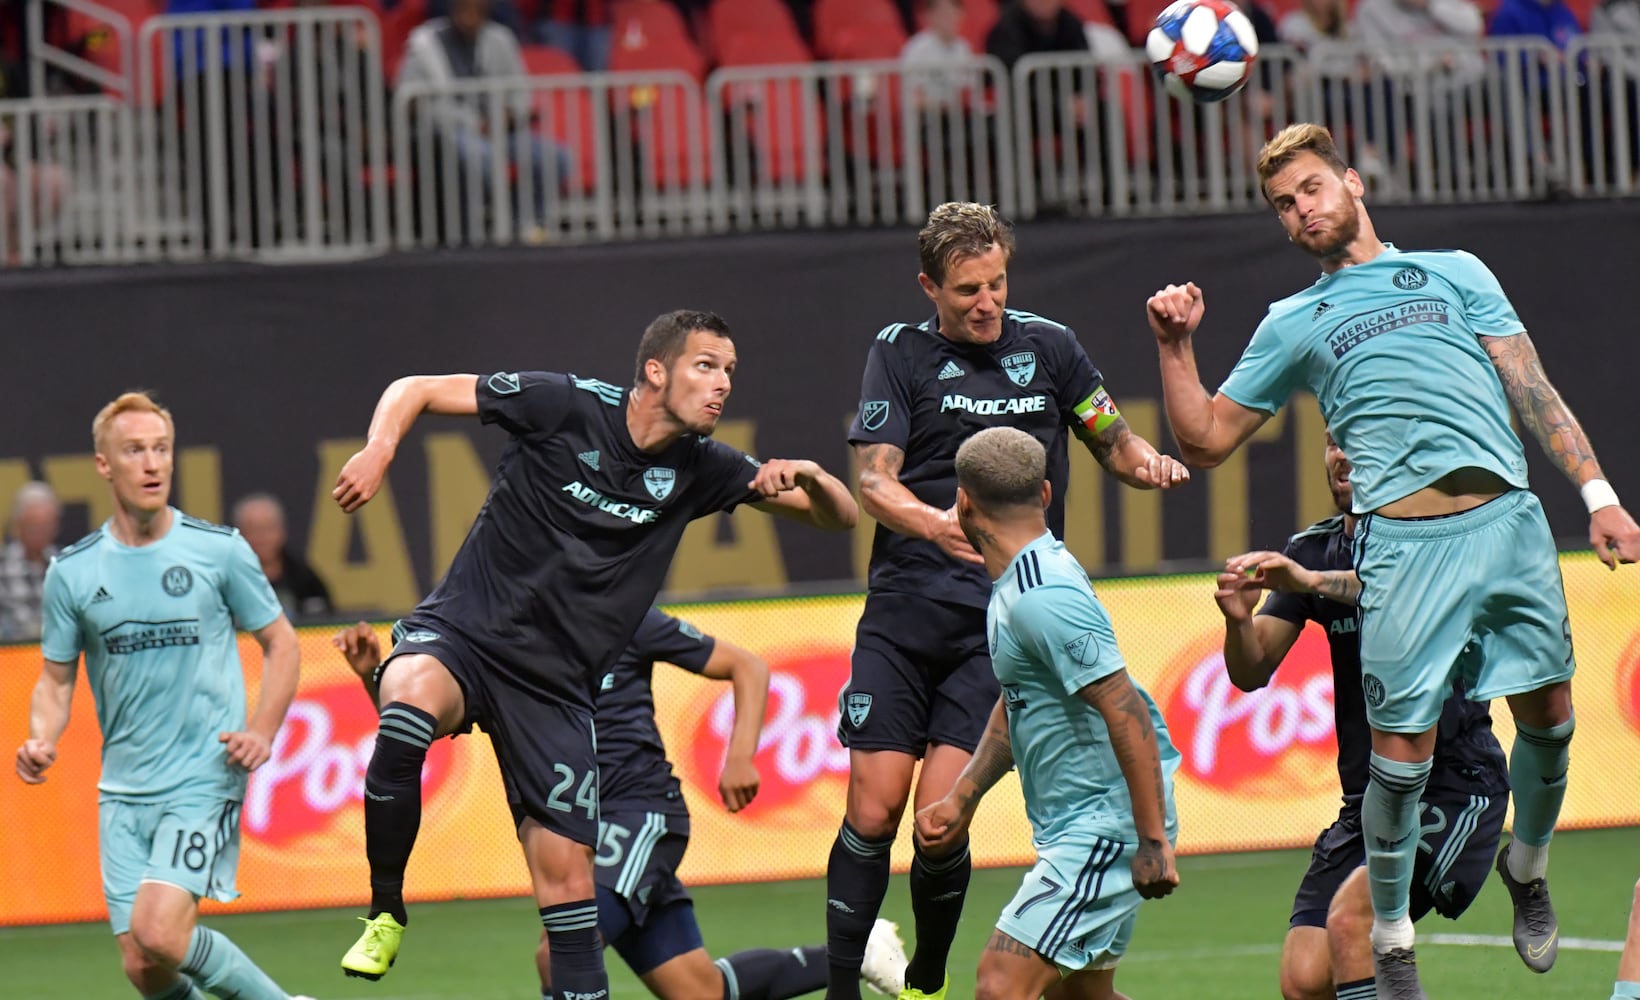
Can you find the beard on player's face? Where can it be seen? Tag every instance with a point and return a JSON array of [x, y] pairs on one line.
[[1343, 225]]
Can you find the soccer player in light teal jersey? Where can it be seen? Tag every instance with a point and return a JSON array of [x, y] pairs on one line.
[[1095, 762], [1416, 358], [151, 599]]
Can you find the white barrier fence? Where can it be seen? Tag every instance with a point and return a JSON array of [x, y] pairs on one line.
[[270, 135]]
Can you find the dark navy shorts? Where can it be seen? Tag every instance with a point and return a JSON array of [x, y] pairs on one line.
[[920, 674], [1457, 842], [549, 764], [644, 912]]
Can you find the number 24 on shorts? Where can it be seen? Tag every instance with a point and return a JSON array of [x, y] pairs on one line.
[[586, 796]]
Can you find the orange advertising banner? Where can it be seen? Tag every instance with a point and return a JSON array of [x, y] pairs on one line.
[[1258, 768]]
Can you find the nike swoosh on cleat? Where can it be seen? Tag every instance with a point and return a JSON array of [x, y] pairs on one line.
[[1537, 953]]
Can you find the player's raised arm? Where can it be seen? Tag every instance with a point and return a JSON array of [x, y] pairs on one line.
[[281, 667], [1612, 532], [1207, 428], [946, 821], [893, 504], [1131, 458], [749, 676], [1133, 741], [47, 718], [396, 411], [802, 490]]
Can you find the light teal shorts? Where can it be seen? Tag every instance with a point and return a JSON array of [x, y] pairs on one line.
[[1077, 906], [1477, 593], [191, 843]]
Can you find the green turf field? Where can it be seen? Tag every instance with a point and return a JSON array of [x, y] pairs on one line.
[[1217, 937]]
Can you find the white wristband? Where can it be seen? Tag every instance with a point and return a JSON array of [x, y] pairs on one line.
[[1598, 493]]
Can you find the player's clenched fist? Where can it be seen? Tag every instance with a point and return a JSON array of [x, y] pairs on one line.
[[1614, 536], [33, 757], [361, 477], [941, 823], [1154, 872], [1175, 312], [778, 475], [738, 784]]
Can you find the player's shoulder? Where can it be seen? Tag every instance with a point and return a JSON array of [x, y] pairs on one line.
[[84, 545], [1034, 325], [902, 340], [711, 450], [1049, 576], [593, 390], [193, 523], [1315, 537]]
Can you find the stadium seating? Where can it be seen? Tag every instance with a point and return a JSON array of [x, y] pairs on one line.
[[566, 116], [759, 18], [773, 109], [653, 36], [834, 16]]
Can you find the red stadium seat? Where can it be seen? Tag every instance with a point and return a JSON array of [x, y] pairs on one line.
[[774, 109], [638, 46], [833, 16], [1142, 17], [641, 21], [745, 49], [863, 43], [767, 18], [565, 115]]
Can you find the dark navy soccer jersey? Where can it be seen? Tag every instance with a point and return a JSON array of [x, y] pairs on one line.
[[633, 772], [1467, 755], [577, 533], [926, 395]]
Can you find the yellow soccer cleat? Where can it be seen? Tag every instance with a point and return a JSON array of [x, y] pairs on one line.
[[912, 993], [376, 950]]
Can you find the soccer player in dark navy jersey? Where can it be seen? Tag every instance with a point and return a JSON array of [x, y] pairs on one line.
[[564, 559], [1328, 951], [644, 912], [921, 683]]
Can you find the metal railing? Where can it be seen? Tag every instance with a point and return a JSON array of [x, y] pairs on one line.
[[595, 156], [268, 136], [65, 187], [1486, 122], [857, 143]]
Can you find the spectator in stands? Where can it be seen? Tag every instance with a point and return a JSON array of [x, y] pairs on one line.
[[1414, 35], [1319, 28], [1030, 26], [583, 29], [502, 12], [261, 519], [1616, 17], [35, 518], [1264, 26], [468, 45], [938, 53], [1550, 19]]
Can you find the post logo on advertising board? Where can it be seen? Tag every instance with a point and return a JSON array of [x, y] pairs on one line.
[[1278, 740], [316, 771], [803, 766]]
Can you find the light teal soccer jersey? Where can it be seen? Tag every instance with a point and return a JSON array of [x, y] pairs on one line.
[[1050, 638], [1391, 350], [156, 624]]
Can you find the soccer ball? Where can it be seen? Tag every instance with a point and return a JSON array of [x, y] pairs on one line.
[[1204, 49]]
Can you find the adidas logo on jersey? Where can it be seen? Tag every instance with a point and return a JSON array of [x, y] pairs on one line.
[[1319, 311], [589, 459], [101, 595], [951, 371]]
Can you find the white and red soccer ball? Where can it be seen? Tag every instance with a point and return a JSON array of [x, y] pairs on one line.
[[1204, 49]]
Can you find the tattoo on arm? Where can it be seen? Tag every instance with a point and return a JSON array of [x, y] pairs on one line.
[[1127, 718], [879, 463], [993, 758], [1005, 945], [1341, 585], [1108, 442], [1540, 407]]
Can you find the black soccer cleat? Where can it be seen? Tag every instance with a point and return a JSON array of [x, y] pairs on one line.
[[1537, 932]]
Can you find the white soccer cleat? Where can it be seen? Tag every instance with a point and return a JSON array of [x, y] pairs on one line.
[[884, 966]]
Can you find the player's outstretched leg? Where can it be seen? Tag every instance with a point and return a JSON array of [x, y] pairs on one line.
[[1389, 822], [858, 870], [418, 697], [1537, 776], [163, 927], [561, 871], [1628, 967]]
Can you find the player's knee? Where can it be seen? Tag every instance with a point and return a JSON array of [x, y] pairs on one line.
[[150, 977], [994, 983], [1349, 916], [1305, 981], [158, 941]]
